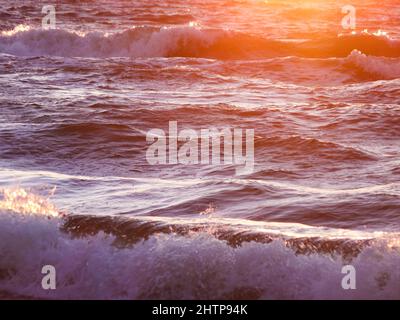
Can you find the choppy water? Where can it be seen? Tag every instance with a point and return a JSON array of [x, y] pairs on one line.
[[75, 106]]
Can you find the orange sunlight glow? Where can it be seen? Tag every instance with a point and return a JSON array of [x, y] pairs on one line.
[[21, 201]]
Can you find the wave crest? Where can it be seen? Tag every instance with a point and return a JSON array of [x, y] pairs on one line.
[[184, 41], [22, 201], [377, 67], [173, 266]]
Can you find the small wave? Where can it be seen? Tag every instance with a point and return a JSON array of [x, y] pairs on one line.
[[300, 146], [374, 44], [375, 67]]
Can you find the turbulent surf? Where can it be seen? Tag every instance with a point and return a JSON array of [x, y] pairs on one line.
[[77, 192]]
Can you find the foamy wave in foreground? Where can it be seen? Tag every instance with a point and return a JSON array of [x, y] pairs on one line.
[[184, 41], [196, 265]]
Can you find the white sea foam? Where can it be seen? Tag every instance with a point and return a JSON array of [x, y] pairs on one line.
[[381, 67]]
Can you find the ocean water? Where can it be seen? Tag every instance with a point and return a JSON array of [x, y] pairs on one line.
[[76, 189]]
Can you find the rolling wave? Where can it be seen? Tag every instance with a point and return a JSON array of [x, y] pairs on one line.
[[186, 41], [178, 259], [374, 67]]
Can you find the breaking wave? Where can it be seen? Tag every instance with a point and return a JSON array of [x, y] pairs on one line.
[[95, 257], [184, 41], [376, 67]]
